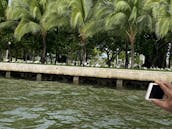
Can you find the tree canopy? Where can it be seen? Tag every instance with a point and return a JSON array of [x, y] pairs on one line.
[[75, 28]]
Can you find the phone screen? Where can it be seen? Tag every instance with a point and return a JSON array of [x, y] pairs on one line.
[[156, 92]]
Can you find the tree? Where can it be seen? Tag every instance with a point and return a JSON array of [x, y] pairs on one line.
[[37, 17], [65, 44], [84, 20], [3, 35], [153, 49], [109, 44], [162, 13], [128, 15]]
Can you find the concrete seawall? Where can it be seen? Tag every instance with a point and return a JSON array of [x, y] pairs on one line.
[[128, 74]]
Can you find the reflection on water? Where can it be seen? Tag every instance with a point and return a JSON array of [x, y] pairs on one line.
[[43, 105]]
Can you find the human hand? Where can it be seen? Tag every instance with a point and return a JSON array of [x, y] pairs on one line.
[[166, 103]]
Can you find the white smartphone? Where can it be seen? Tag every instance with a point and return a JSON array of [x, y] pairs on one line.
[[154, 92]]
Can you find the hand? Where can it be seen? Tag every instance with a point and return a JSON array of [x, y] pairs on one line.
[[166, 103]]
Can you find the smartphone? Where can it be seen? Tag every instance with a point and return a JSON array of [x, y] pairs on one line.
[[154, 92]]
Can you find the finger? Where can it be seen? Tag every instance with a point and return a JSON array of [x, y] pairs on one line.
[[168, 85], [160, 103], [164, 87]]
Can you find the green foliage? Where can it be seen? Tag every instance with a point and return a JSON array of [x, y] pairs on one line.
[[25, 27], [3, 6], [36, 16], [81, 10], [56, 15], [110, 45], [83, 17], [162, 13], [63, 23], [28, 15]]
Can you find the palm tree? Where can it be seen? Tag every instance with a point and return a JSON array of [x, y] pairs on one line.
[[84, 20], [162, 13], [126, 15], [37, 17]]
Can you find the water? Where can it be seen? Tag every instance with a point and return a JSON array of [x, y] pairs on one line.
[[52, 105]]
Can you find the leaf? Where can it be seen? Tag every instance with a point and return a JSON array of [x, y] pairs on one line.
[[36, 13], [145, 22], [122, 6], [116, 19], [76, 19], [91, 28], [162, 27], [54, 20], [87, 5], [133, 14], [8, 24], [17, 10], [25, 27]]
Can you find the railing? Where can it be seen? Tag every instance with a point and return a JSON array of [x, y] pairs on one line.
[[76, 72]]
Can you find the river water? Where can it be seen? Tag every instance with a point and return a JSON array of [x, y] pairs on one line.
[[52, 105]]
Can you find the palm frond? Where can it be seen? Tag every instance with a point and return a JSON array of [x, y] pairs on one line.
[[76, 19], [8, 24], [101, 10], [36, 13], [133, 15], [162, 13], [162, 26], [77, 13], [91, 28], [56, 15], [17, 10], [122, 6], [54, 20], [145, 22], [81, 11], [87, 5], [25, 27], [60, 7], [116, 19]]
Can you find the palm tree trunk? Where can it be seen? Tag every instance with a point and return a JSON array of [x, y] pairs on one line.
[[56, 60], [9, 52], [43, 58], [84, 54], [1, 55], [169, 60], [126, 55], [16, 54], [132, 54], [83, 51], [132, 35]]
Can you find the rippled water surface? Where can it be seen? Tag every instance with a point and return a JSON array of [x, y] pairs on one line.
[[52, 105]]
